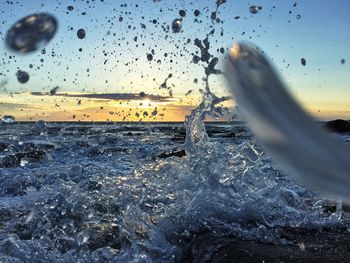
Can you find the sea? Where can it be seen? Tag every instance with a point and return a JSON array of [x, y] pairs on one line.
[[144, 192]]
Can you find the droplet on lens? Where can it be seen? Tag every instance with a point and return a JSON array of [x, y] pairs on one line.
[[177, 25], [22, 76], [182, 13], [149, 57], [81, 33], [255, 9], [31, 33], [303, 62]]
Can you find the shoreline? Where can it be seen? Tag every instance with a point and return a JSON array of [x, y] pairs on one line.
[[326, 245]]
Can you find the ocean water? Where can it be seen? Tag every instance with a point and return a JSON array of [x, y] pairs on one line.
[[109, 192]]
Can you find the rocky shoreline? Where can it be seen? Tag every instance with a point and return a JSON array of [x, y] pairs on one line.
[[327, 245], [338, 126]]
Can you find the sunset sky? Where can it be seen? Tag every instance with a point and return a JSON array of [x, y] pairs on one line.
[[113, 57]]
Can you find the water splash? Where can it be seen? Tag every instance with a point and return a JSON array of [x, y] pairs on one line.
[[196, 136], [283, 127], [130, 207]]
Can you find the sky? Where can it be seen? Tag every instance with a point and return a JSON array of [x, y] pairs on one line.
[[113, 56]]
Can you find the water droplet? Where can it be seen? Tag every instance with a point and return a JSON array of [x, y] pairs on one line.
[[176, 25], [298, 16], [149, 57], [303, 61], [31, 33], [255, 9], [182, 13], [81, 33], [22, 76]]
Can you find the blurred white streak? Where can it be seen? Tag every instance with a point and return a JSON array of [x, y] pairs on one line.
[[286, 131]]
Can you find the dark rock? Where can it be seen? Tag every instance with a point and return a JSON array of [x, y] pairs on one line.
[[104, 235], [5, 216], [339, 126], [24, 250], [320, 246], [15, 159], [93, 151], [176, 152], [3, 146], [229, 135], [20, 184], [65, 244], [26, 147], [8, 119]]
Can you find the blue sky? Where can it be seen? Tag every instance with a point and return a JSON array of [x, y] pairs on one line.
[[321, 36]]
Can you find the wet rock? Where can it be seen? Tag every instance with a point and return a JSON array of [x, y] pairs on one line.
[[15, 159], [26, 147], [104, 254], [339, 126], [103, 235], [19, 184], [65, 244], [5, 216], [3, 146], [229, 135], [8, 119], [25, 251], [176, 152], [40, 126], [320, 246], [94, 151]]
